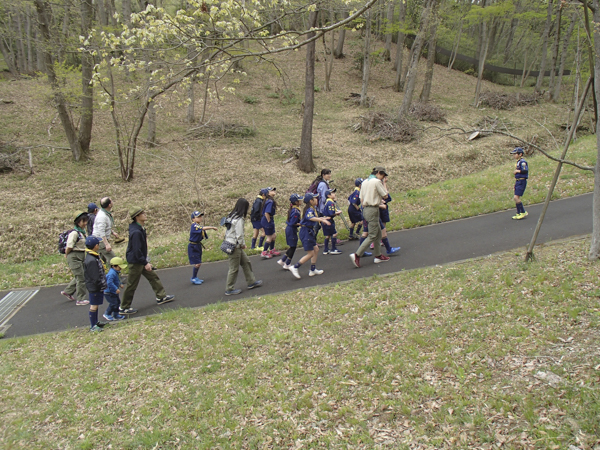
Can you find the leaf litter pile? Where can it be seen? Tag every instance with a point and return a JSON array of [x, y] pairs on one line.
[[491, 353]]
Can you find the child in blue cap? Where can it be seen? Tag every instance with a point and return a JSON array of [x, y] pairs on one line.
[[95, 280], [521, 175], [308, 235], [354, 211], [197, 233], [291, 231], [268, 224], [255, 216], [330, 211]]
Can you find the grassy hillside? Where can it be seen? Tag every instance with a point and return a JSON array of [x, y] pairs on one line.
[[484, 354], [187, 172]]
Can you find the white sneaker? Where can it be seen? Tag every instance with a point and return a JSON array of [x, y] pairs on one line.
[[287, 266], [295, 272], [312, 273], [335, 252], [281, 263]]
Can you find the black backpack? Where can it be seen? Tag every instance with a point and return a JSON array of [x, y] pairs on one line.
[[62, 240], [256, 210]]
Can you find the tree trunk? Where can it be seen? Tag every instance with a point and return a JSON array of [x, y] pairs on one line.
[[305, 161], [329, 52], [411, 77], [426, 91], [126, 5], [191, 116], [30, 67], [151, 139], [87, 91], [339, 50], [388, 31], [59, 99], [21, 58], [39, 54], [554, 52], [400, 46], [595, 245], [455, 46], [482, 57], [563, 57], [366, 60], [540, 79], [8, 58], [514, 23]]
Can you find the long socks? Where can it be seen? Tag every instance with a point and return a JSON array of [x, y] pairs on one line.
[[326, 249], [358, 228], [313, 267], [289, 254], [260, 241], [388, 247], [333, 241], [520, 208], [195, 272], [253, 243], [93, 318]]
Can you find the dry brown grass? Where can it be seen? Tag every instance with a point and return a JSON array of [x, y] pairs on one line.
[[36, 208]]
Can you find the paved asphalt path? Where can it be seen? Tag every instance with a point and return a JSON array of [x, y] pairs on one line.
[[421, 247]]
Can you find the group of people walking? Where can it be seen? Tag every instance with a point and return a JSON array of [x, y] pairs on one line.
[[89, 250]]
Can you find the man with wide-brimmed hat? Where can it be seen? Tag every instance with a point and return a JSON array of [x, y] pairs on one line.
[[137, 257]]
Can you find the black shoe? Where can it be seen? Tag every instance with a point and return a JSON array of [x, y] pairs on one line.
[[165, 299], [127, 311], [101, 324]]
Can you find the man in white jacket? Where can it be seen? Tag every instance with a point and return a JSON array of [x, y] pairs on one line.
[[103, 230]]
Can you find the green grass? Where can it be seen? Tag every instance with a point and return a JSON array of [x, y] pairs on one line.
[[447, 357]]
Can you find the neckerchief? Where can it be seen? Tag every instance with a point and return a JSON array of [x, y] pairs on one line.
[[109, 214], [92, 252], [80, 230]]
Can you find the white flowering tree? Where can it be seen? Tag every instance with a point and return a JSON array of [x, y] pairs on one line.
[[158, 52]]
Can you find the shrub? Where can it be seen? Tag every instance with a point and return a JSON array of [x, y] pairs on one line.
[[427, 112]]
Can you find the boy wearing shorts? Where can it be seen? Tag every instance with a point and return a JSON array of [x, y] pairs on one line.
[[521, 175], [95, 280]]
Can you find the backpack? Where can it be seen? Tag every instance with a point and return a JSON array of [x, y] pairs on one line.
[[226, 222], [312, 189], [62, 240], [256, 210]]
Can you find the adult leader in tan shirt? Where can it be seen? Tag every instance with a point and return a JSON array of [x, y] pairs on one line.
[[372, 191]]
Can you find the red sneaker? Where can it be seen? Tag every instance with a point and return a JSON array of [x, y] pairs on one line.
[[275, 253], [381, 258], [355, 259]]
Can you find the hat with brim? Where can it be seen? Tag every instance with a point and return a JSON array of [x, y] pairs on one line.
[[328, 192], [517, 150], [309, 196], [135, 211], [79, 215], [92, 207], [116, 261], [380, 169]]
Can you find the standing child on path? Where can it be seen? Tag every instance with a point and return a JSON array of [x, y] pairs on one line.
[[330, 211], [95, 280], [291, 231], [354, 211], [308, 236], [521, 175], [384, 218], [113, 289], [268, 223], [197, 233], [255, 217]]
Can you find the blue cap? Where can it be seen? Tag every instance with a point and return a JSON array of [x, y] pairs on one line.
[[264, 191], [309, 196], [295, 197], [517, 150], [91, 241], [197, 214], [92, 207], [328, 192], [358, 182]]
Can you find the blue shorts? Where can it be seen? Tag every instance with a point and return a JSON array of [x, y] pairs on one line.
[[195, 253], [96, 298], [520, 186], [329, 230], [291, 236], [354, 214], [269, 227], [256, 224], [307, 236]]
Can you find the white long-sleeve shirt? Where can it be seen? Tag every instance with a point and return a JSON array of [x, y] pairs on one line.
[[102, 225]]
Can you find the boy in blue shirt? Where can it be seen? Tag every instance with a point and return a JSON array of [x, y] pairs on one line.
[[197, 233], [330, 211], [95, 280], [291, 231], [384, 217], [521, 175], [113, 289], [354, 211], [255, 218]]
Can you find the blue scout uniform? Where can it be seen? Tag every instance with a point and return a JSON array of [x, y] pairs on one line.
[[307, 232], [384, 214], [329, 210], [197, 233], [291, 230], [521, 178], [113, 283], [269, 207], [354, 214], [255, 212]]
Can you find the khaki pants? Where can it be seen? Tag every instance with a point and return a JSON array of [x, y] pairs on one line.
[[77, 285], [136, 271], [104, 255], [371, 215], [236, 259]]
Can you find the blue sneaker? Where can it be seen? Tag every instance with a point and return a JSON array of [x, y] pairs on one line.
[[393, 250], [109, 318], [367, 254], [119, 317], [256, 284], [197, 281], [233, 292]]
